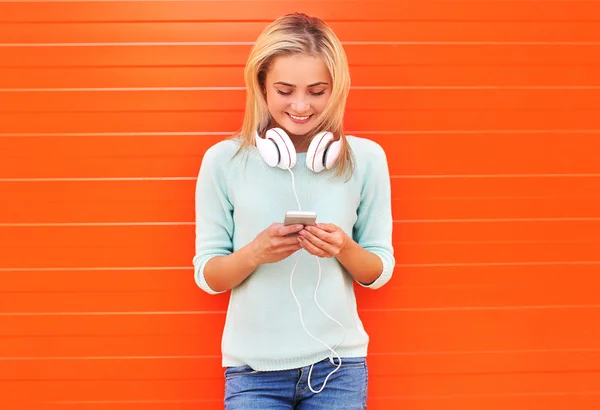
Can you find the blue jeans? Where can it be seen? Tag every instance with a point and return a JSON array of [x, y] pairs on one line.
[[288, 389]]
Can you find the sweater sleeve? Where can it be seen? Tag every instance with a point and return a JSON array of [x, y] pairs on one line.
[[214, 216], [373, 227]]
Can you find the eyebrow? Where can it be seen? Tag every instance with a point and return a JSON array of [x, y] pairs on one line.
[[311, 85]]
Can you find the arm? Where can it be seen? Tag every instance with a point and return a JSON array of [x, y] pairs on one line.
[[269, 246], [214, 224], [222, 273], [329, 240], [364, 266], [217, 268], [368, 256], [373, 228]]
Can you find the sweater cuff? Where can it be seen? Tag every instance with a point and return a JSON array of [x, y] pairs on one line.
[[201, 280], [382, 279]]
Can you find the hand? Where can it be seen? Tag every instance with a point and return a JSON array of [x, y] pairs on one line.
[[272, 244], [323, 240]]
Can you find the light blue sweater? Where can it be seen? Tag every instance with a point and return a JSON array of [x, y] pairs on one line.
[[238, 198]]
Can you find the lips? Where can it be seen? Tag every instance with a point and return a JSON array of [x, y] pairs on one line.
[[299, 119]]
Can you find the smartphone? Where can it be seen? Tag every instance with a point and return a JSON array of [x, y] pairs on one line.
[[298, 217]]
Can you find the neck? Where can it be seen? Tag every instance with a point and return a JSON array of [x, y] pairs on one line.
[[301, 142]]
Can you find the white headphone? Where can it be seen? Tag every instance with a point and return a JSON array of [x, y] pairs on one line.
[[277, 149]]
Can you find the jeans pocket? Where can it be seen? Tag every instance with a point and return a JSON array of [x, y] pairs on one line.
[[239, 371]]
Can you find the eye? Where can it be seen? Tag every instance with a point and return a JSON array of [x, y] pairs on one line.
[[283, 93], [319, 93]]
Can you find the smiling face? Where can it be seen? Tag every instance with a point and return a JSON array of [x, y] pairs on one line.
[[297, 89]]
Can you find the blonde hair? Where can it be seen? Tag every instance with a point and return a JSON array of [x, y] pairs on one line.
[[293, 34]]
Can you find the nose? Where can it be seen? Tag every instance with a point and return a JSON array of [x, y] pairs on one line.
[[300, 106]]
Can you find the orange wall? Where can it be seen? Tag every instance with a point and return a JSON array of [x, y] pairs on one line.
[[489, 113]]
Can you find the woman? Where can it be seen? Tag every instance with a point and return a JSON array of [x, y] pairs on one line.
[[293, 338]]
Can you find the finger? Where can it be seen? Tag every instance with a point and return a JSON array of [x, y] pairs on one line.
[[290, 229], [327, 227], [319, 243], [324, 249], [319, 233], [289, 240], [310, 248]]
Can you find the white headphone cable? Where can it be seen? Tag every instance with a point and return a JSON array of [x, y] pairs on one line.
[[333, 352], [294, 189]]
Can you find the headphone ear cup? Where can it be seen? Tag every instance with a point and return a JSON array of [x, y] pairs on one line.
[[285, 146], [333, 153], [322, 152], [268, 150]]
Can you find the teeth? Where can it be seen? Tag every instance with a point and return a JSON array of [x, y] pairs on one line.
[[299, 118]]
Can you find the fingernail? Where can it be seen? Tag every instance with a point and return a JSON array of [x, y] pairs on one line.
[[299, 227]]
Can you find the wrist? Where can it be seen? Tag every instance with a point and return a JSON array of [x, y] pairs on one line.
[[347, 245], [249, 255]]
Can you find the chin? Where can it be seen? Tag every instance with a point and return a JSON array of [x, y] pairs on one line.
[[298, 130]]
